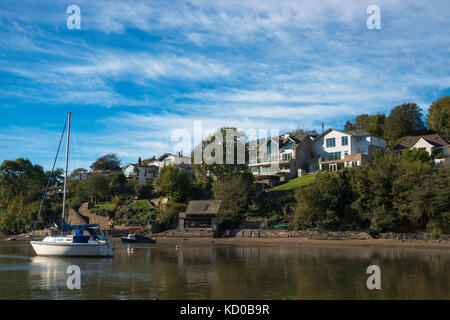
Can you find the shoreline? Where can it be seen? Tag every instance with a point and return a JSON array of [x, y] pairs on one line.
[[372, 243], [294, 241]]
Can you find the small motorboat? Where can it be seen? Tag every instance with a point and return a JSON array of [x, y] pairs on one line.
[[136, 238]]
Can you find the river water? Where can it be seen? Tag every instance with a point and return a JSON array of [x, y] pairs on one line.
[[208, 270]]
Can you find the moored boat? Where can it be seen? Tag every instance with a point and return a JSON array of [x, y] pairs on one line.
[[77, 244], [136, 238]]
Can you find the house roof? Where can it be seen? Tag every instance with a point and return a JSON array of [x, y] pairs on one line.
[[434, 139], [283, 141], [358, 133], [354, 133], [203, 207]]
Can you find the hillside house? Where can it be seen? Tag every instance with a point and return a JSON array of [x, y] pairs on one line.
[[335, 149]]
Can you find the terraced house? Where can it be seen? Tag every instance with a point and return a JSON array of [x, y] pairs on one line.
[[335, 149]]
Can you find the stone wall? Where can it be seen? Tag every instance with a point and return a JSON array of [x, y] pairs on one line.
[[313, 235], [83, 216], [331, 235], [413, 236], [185, 234]]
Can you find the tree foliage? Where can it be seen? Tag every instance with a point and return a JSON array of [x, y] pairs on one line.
[[404, 120], [371, 123], [109, 162], [389, 194], [236, 192], [176, 183], [21, 189], [214, 152], [438, 118]]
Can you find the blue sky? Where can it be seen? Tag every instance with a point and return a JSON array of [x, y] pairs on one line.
[[138, 70]]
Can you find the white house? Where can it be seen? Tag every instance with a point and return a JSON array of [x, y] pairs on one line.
[[176, 158], [432, 143], [143, 170], [335, 149], [183, 163]]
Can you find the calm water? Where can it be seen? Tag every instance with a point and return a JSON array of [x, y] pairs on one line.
[[227, 271]]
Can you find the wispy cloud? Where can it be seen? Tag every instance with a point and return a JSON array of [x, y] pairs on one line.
[[250, 64]]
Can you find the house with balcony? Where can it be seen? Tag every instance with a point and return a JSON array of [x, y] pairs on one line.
[[336, 149], [285, 156]]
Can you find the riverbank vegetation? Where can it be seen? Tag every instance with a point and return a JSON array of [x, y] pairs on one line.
[[395, 192]]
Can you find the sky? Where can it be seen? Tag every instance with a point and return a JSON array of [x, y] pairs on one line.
[[136, 72]]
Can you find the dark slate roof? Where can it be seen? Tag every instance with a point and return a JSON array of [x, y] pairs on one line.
[[203, 207], [358, 133]]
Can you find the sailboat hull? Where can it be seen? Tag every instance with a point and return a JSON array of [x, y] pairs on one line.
[[91, 249]]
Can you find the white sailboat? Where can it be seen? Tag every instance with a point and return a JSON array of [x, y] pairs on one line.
[[78, 244]]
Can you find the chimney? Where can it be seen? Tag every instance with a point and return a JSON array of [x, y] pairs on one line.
[[323, 127], [139, 161]]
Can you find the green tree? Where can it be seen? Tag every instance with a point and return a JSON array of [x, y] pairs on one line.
[[371, 123], [236, 192], [145, 191], [429, 201], [404, 120], [175, 182], [168, 217], [438, 117], [109, 162], [96, 187], [118, 184], [214, 151], [325, 205]]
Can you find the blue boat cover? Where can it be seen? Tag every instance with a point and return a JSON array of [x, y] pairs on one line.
[[69, 227], [78, 237]]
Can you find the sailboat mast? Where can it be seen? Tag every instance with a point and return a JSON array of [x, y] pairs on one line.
[[67, 167]]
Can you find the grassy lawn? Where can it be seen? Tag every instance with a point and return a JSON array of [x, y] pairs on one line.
[[295, 183], [141, 204], [105, 205]]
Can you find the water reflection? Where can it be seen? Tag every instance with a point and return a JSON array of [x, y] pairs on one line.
[[218, 271]]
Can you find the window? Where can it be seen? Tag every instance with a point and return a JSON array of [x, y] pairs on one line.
[[331, 142], [360, 139], [334, 156], [345, 141]]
